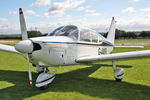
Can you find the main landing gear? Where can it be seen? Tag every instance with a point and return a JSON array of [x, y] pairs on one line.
[[44, 77], [118, 73]]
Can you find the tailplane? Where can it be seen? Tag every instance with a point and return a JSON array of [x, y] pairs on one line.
[[111, 33]]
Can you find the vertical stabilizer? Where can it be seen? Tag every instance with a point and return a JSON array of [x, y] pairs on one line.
[[23, 25], [111, 33]]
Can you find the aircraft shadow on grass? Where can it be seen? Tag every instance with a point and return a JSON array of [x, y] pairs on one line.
[[73, 81]]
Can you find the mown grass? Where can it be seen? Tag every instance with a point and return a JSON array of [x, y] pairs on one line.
[[132, 41], [81, 82]]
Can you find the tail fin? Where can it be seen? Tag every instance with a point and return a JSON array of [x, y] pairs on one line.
[[23, 25], [111, 33]]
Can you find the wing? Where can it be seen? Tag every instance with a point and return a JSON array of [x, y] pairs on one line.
[[8, 48], [129, 46], [115, 56]]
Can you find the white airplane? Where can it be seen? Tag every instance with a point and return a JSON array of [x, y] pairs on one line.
[[68, 45]]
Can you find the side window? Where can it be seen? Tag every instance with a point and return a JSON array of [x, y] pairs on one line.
[[99, 40], [85, 35], [74, 34], [94, 37]]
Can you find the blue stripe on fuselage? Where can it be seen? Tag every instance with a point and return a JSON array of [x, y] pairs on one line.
[[103, 44]]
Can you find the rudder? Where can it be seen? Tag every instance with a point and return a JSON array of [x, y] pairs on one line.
[[111, 33]]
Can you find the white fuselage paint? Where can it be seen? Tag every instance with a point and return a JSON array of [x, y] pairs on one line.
[[61, 50]]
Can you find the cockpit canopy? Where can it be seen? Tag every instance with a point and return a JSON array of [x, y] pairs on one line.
[[69, 30], [77, 33]]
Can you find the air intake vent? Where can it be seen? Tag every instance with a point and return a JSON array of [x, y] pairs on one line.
[[36, 46]]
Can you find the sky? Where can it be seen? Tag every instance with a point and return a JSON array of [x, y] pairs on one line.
[[46, 15]]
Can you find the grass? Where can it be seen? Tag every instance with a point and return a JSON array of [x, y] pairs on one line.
[[132, 41], [81, 82]]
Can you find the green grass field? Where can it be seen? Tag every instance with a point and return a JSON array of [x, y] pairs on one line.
[[132, 41], [81, 82]]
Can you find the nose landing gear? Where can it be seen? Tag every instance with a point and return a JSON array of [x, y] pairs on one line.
[[44, 79]]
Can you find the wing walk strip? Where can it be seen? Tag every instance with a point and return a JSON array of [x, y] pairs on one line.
[[116, 56]]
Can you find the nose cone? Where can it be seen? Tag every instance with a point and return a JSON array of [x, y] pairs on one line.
[[25, 46]]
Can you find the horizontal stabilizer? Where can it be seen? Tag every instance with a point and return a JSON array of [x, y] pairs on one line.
[[128, 46]]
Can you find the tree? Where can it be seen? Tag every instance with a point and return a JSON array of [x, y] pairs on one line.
[[144, 34], [131, 35], [34, 34], [122, 34]]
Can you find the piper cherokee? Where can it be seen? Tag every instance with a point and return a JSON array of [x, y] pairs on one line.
[[69, 45]]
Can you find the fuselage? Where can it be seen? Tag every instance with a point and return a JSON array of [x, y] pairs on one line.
[[63, 50], [64, 45]]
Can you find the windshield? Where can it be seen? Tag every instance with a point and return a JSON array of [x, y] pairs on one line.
[[69, 30]]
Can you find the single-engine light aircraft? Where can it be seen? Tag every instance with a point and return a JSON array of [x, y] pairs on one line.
[[69, 45]]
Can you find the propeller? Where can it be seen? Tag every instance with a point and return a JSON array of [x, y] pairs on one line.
[[27, 44]]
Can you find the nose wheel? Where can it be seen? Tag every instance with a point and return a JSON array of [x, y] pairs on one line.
[[44, 79], [118, 80], [43, 87]]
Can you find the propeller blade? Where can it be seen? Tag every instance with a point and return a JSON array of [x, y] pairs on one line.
[[25, 37], [23, 25], [30, 74]]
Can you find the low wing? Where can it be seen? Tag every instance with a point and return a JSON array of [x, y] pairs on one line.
[[129, 46], [8, 48], [115, 56]]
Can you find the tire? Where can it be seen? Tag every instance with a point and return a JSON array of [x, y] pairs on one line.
[[118, 80], [43, 87]]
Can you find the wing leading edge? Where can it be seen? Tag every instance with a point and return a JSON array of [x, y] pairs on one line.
[[8, 48], [115, 56]]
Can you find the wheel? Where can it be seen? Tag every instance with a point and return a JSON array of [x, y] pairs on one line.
[[43, 87], [118, 80]]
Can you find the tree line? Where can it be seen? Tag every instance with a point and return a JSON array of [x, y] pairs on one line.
[[121, 34], [31, 34]]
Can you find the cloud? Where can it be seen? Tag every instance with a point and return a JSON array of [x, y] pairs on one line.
[[83, 8], [94, 14], [129, 24], [147, 16], [58, 8], [135, 23], [136, 0], [30, 12], [128, 10], [12, 13], [90, 11], [145, 9], [39, 3], [10, 28], [38, 15], [3, 20]]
